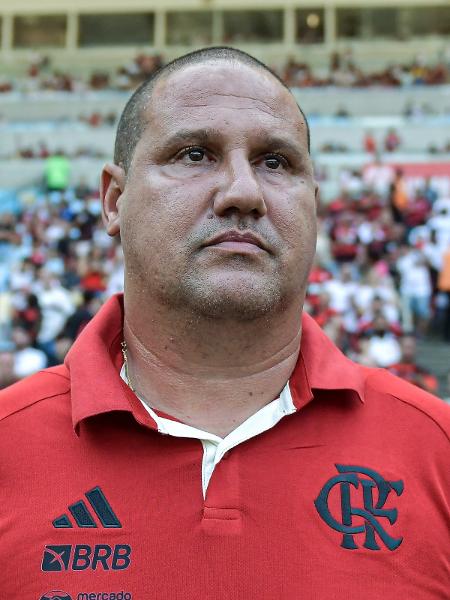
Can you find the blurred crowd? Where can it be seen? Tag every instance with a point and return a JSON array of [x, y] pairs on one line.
[[57, 265], [380, 282], [343, 71], [42, 151], [42, 76]]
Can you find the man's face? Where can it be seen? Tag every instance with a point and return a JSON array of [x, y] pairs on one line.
[[408, 345], [218, 210]]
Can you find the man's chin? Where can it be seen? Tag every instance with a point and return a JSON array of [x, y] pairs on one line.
[[241, 303], [231, 311], [240, 295]]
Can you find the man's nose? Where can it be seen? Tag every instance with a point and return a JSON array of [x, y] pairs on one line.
[[241, 190]]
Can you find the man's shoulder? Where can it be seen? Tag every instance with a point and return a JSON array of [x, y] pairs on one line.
[[409, 396], [41, 386]]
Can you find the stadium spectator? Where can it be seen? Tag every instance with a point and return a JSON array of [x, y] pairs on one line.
[[77, 321], [82, 189], [88, 305], [342, 290], [7, 375], [27, 359], [443, 284], [8, 234], [383, 303], [57, 172], [415, 289], [417, 211], [369, 143], [447, 389], [392, 141], [382, 347], [429, 192], [90, 269], [378, 177], [344, 236], [408, 369], [28, 316], [439, 222], [322, 312], [434, 257], [398, 198], [56, 305]]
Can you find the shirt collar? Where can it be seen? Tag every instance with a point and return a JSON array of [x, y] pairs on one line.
[[321, 366], [95, 359], [94, 363]]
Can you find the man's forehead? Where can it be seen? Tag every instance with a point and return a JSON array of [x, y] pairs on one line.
[[247, 91], [226, 73]]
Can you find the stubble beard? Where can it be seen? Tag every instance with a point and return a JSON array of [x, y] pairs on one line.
[[239, 296], [239, 290]]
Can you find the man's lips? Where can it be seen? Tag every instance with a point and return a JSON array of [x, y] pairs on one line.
[[237, 241]]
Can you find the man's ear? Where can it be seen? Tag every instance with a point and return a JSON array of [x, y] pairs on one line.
[[317, 196], [112, 185]]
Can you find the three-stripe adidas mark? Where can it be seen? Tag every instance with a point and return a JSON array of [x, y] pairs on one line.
[[82, 516]]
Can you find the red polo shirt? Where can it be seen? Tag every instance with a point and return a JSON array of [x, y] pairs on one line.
[[348, 497]]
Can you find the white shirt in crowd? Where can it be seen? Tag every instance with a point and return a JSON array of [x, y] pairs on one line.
[[384, 351], [56, 305], [414, 276], [29, 361]]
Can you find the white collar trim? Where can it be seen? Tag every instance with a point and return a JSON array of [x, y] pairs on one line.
[[214, 446]]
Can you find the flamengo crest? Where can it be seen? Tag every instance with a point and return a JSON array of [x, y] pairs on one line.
[[372, 512]]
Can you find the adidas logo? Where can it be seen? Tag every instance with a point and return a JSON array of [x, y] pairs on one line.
[[80, 557], [82, 516]]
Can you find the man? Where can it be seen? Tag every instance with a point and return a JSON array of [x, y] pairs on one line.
[[407, 367], [57, 172], [203, 439], [27, 359], [57, 305], [382, 348]]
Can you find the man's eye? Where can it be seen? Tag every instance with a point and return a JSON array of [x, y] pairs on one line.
[[195, 154], [274, 161]]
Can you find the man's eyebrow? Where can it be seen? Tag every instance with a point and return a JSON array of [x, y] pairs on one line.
[[277, 142], [202, 136]]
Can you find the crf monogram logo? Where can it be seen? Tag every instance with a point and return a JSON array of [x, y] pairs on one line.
[[369, 512]]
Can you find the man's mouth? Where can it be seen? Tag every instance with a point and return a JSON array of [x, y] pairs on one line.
[[236, 241]]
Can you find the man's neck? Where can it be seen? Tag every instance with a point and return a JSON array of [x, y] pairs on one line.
[[209, 373]]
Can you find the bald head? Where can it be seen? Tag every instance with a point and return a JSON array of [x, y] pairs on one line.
[[132, 122]]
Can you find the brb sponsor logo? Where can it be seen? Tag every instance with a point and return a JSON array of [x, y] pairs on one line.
[[82, 557]]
